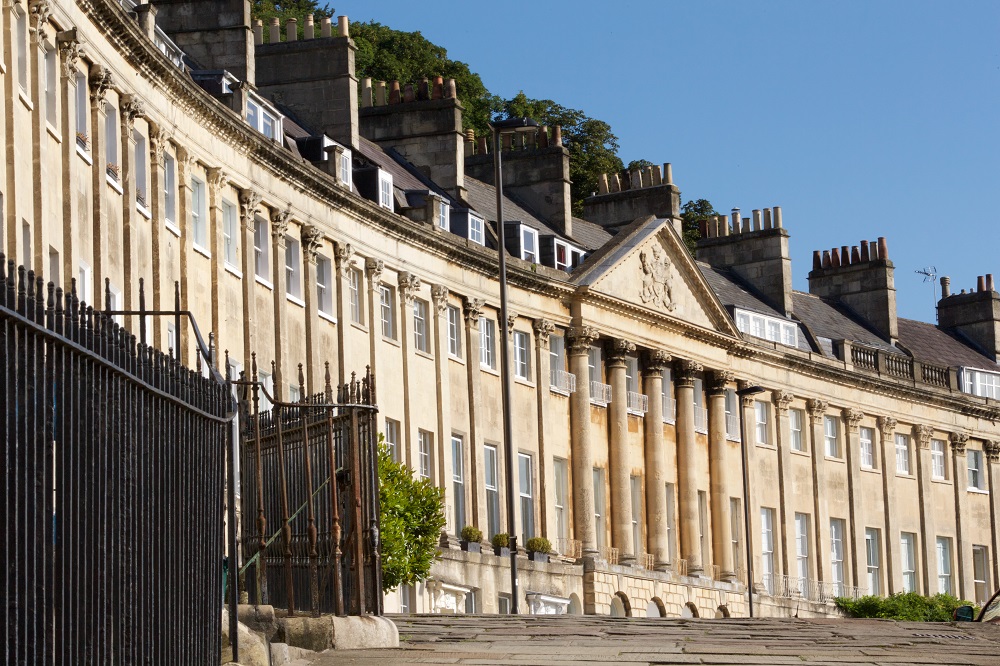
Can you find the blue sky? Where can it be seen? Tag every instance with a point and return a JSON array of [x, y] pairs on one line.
[[859, 119]]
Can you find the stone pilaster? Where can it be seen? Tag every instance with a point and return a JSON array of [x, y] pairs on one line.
[[373, 281], [655, 458], [473, 308], [687, 465], [101, 80], [890, 533], [218, 179], [821, 513], [616, 351], [280, 220], [963, 586], [39, 12], [159, 140], [408, 285], [131, 108], [249, 207], [312, 241], [581, 443], [992, 451], [720, 489], [854, 540], [438, 327], [746, 407], [543, 329], [928, 534], [70, 50], [185, 164], [786, 529]]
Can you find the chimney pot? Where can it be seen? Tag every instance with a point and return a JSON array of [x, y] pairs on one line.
[[703, 228], [325, 29], [735, 215], [380, 99], [615, 182], [873, 249], [543, 137], [845, 256], [408, 94], [274, 31], [668, 173], [835, 258], [423, 91], [883, 249], [366, 92], [777, 217], [817, 260], [394, 97], [557, 135], [757, 223], [713, 226], [767, 218], [826, 259], [438, 90], [343, 27], [258, 31], [449, 89], [291, 30], [723, 223], [865, 255], [309, 30], [657, 175], [989, 282], [945, 286], [855, 255], [635, 179], [981, 284], [746, 225], [483, 146], [602, 184]]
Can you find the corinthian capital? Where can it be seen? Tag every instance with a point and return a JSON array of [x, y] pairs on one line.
[[409, 285], [132, 108], [655, 361], [312, 240], [992, 449], [852, 417], [617, 349], [279, 224], [101, 81], [718, 380], [817, 409], [439, 295], [249, 205], [958, 442], [781, 399], [40, 11], [543, 329], [373, 267], [70, 50], [473, 310], [581, 338], [886, 425], [685, 370], [922, 435]]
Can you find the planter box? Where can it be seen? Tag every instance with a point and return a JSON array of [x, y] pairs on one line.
[[501, 551], [470, 546], [538, 557]]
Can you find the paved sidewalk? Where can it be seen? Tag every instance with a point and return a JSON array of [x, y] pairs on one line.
[[564, 640]]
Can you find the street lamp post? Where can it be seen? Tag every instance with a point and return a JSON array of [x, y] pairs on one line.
[[742, 393], [512, 124]]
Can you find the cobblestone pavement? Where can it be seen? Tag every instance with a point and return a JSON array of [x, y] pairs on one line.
[[563, 640]]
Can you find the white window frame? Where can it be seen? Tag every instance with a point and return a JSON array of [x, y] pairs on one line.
[[768, 328], [599, 507], [262, 249], [425, 455], [324, 285], [477, 229], [837, 529], [635, 497], [802, 550], [111, 147], [873, 551], [21, 37], [262, 119], [454, 332], [170, 192], [526, 494], [908, 562], [387, 311], [487, 343], [421, 339], [491, 483], [982, 383], [944, 559], [939, 470], [671, 522], [354, 295], [347, 169], [82, 115], [444, 216], [141, 175], [795, 420], [976, 471], [831, 436], [569, 254], [230, 235], [199, 218], [293, 270], [85, 283], [529, 234], [385, 196], [458, 481], [51, 64], [767, 548], [981, 574], [866, 442], [560, 470], [392, 438], [902, 454], [761, 422], [522, 356]]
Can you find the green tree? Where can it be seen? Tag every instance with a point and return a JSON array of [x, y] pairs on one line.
[[385, 54], [592, 146], [265, 10], [410, 522], [692, 214], [903, 606]]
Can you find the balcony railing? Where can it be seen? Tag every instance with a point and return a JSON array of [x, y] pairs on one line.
[[572, 548], [610, 554], [680, 566], [600, 394], [645, 561], [638, 403], [713, 571], [793, 587], [701, 420], [733, 427], [669, 410], [562, 381]]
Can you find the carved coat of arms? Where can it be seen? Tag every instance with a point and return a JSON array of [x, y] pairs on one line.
[[657, 279]]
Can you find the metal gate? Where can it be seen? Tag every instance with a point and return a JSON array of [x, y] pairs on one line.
[[310, 537], [112, 494]]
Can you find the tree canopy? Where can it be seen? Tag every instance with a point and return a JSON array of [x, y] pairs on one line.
[[692, 214]]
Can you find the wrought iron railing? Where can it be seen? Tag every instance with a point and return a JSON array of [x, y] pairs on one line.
[[562, 381]]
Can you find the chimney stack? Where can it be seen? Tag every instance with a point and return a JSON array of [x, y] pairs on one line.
[[217, 35], [975, 314]]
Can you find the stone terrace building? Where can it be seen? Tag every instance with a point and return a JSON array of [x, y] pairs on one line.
[[311, 217]]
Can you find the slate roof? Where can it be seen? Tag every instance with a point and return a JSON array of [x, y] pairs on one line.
[[937, 346], [402, 179], [827, 320], [589, 236], [483, 199]]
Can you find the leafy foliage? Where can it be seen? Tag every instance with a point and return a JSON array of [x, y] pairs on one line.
[[409, 524], [385, 54], [500, 540], [538, 545], [692, 214], [904, 606], [472, 534], [265, 10], [593, 147]]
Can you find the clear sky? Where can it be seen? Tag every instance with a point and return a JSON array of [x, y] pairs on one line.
[[859, 118]]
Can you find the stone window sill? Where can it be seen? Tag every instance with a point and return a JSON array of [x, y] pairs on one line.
[[330, 318], [234, 271]]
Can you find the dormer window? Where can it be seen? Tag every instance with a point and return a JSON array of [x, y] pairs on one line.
[[346, 168], [982, 383], [566, 256], [767, 328], [262, 120], [476, 230], [529, 244], [385, 189]]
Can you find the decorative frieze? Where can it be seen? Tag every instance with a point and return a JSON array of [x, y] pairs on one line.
[[718, 381], [543, 329]]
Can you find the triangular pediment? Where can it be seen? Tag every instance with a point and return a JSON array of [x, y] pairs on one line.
[[648, 266]]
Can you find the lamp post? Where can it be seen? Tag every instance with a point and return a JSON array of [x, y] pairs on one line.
[[511, 124], [742, 393]]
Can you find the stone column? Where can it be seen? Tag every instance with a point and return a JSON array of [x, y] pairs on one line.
[[928, 534], [581, 444], [312, 240], [249, 206], [963, 548], [131, 108], [373, 280], [687, 465], [719, 484], [655, 459], [279, 227], [185, 162], [439, 312], [101, 80], [753, 539], [783, 441], [546, 480], [70, 50], [890, 535], [621, 494], [408, 286], [992, 450], [821, 513], [217, 180], [854, 539], [473, 309]]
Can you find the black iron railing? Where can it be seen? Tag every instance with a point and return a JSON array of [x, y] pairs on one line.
[[113, 457]]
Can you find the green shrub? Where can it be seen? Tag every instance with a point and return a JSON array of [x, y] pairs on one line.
[[538, 545], [472, 534], [904, 606], [410, 522], [501, 540]]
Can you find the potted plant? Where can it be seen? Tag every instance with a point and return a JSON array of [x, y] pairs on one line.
[[538, 549], [471, 538], [501, 544]]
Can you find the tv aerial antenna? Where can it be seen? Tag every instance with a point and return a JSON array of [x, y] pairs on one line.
[[930, 275]]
